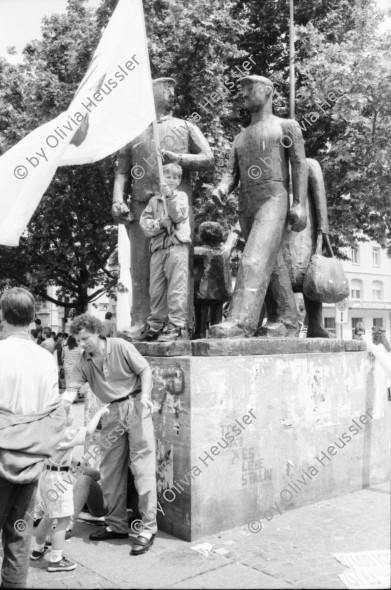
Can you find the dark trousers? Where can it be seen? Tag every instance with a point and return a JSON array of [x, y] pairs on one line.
[[16, 524], [207, 311]]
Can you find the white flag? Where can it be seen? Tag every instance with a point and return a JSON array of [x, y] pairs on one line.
[[113, 105]]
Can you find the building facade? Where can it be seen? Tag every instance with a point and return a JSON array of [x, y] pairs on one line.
[[368, 272], [55, 318], [369, 302]]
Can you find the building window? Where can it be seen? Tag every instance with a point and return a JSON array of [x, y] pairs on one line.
[[376, 256], [329, 324], [377, 291], [355, 256], [377, 322], [357, 327], [355, 289]]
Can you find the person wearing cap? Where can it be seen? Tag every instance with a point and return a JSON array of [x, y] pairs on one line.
[[181, 142], [259, 163]]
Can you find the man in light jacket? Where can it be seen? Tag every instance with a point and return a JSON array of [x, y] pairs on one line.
[[32, 420]]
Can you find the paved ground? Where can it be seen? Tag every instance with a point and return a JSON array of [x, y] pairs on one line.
[[294, 550]]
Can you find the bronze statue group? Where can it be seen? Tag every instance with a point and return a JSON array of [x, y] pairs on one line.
[[268, 165]]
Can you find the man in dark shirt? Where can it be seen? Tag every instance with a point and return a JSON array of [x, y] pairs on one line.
[[120, 376]]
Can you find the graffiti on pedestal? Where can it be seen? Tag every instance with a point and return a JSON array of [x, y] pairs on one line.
[[164, 466], [253, 469], [318, 389], [168, 384], [167, 395]]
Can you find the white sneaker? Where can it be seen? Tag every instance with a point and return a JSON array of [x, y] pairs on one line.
[[63, 565]]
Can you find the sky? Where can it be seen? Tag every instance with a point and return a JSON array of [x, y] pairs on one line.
[[20, 20]]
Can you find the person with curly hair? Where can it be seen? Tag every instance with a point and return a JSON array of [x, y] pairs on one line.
[[120, 376]]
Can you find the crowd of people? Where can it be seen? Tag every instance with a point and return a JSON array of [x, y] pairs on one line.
[[40, 479], [65, 349]]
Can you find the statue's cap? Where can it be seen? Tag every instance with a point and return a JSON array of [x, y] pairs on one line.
[[252, 80], [164, 81]]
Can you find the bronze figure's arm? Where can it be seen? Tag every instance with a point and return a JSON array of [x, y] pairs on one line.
[[297, 215], [120, 211], [201, 155], [318, 191]]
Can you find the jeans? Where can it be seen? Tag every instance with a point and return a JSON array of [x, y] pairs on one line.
[[16, 524], [127, 433], [168, 288]]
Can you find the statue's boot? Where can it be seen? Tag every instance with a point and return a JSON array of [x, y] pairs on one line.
[[227, 330], [315, 320], [133, 332], [278, 330]]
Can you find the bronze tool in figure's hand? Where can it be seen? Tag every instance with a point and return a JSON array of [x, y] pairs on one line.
[[297, 217], [218, 196], [121, 213]]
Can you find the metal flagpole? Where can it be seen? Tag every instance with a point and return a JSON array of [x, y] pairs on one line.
[[291, 79], [291, 61]]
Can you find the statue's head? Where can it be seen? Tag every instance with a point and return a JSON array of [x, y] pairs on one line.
[[256, 92], [211, 233], [164, 94]]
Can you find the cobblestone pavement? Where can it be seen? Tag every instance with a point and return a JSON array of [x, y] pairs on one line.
[[298, 546], [294, 550]]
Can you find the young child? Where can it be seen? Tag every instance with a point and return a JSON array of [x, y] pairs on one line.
[[55, 490], [212, 275], [169, 245]]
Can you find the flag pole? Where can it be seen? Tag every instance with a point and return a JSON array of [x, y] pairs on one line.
[[291, 61], [154, 122]]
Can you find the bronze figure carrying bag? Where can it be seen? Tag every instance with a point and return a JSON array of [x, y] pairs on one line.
[[325, 279]]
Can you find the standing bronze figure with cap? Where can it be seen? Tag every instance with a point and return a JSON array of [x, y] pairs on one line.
[[259, 163], [181, 142]]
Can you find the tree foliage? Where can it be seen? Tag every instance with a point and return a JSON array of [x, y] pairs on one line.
[[345, 104], [71, 235], [335, 40]]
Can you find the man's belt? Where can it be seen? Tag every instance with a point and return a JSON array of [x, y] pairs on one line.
[[121, 399], [55, 468]]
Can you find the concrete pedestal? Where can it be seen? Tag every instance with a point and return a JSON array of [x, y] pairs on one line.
[[253, 426]]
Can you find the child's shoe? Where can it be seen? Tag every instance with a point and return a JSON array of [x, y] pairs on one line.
[[34, 555], [63, 565]]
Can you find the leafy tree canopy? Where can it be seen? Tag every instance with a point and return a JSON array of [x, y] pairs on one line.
[[71, 235]]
